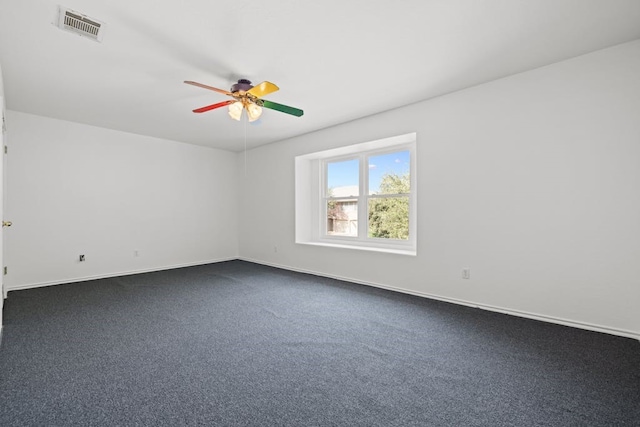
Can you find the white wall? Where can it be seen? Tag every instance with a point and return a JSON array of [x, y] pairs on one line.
[[2, 113], [531, 181], [76, 189]]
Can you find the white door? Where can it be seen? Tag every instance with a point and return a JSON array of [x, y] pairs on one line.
[[2, 181], [2, 205]]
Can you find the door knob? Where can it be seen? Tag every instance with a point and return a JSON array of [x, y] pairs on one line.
[[7, 223]]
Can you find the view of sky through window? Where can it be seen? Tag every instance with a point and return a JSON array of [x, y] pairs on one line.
[[396, 163], [343, 174]]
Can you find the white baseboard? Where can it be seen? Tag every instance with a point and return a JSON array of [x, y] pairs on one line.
[[534, 316], [121, 273]]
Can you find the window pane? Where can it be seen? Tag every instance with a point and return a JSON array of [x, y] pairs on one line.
[[342, 217], [343, 178], [389, 173], [389, 218]]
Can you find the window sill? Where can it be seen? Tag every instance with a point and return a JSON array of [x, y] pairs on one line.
[[409, 252]]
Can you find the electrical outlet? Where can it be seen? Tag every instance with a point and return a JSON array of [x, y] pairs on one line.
[[275, 249], [466, 273], [136, 253], [81, 258]]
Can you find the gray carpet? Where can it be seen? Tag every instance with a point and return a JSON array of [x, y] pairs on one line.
[[239, 344]]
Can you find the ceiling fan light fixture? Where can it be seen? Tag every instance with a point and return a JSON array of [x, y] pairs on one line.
[[235, 110], [254, 111]]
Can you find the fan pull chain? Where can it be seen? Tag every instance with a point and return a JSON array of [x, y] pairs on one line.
[[245, 146]]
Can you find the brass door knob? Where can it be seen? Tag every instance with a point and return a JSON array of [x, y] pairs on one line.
[[7, 223]]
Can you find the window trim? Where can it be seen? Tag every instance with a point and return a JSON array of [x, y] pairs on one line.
[[311, 185]]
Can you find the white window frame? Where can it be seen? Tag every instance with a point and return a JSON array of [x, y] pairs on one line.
[[311, 185]]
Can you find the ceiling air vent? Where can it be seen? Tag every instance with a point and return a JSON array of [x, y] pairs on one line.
[[80, 24]]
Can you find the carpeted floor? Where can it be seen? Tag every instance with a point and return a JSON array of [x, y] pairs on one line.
[[239, 344]]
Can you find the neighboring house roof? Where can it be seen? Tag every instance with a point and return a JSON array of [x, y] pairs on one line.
[[346, 191]]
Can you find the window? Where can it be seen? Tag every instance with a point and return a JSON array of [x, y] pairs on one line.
[[361, 196], [341, 197]]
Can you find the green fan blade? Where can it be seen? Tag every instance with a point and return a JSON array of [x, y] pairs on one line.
[[283, 108]]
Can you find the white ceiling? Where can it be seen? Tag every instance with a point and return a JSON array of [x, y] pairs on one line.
[[337, 60]]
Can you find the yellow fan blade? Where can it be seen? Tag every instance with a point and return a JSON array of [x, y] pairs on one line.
[[264, 88]]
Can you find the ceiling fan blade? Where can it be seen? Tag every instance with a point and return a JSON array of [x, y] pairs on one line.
[[224, 92], [264, 88], [214, 106], [283, 108]]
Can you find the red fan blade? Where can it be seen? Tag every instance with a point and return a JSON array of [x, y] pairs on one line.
[[214, 106], [215, 89]]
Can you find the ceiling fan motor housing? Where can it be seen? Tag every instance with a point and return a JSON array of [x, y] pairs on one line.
[[243, 84]]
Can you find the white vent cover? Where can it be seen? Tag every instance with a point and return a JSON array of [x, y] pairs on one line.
[[81, 24]]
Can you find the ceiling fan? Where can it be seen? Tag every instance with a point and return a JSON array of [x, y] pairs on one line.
[[247, 97]]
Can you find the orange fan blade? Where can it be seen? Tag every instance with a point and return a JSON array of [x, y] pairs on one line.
[[214, 106], [215, 89], [264, 88]]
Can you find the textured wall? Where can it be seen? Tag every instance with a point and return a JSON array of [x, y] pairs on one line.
[[531, 182], [75, 189]]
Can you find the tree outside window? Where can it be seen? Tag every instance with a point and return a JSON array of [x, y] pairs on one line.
[[375, 186]]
